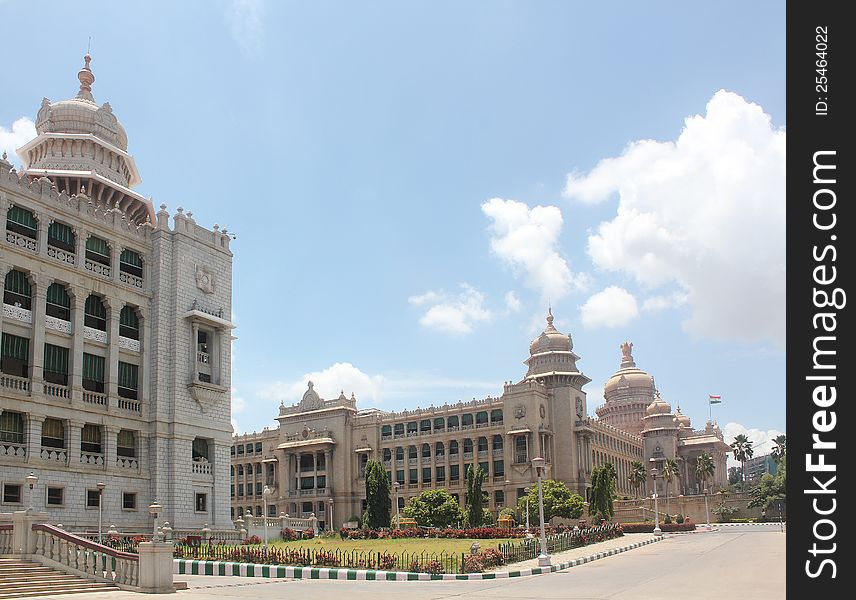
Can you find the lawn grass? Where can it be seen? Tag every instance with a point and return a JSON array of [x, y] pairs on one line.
[[428, 545]]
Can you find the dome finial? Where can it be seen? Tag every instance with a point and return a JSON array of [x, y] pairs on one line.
[[627, 355], [86, 79], [550, 319]]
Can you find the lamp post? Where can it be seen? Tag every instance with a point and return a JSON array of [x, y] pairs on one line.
[[706, 514], [206, 535], [100, 485], [657, 529], [395, 486], [526, 491], [265, 494], [330, 515], [543, 558], [32, 478], [154, 510]]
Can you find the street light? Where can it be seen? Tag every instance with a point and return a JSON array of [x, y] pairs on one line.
[[706, 515], [100, 485], [265, 493], [32, 478], [543, 558], [395, 486], [526, 491], [330, 515], [155, 510], [657, 529]]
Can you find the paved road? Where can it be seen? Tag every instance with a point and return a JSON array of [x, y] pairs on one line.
[[735, 563]]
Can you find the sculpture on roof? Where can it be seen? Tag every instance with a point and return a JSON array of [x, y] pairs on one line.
[[626, 349]]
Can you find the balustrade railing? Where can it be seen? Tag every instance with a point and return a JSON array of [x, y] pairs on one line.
[[129, 405], [85, 556], [95, 398], [92, 458], [130, 279], [56, 391], [12, 449], [54, 454], [22, 241], [61, 255], [12, 382], [6, 533], [201, 468], [96, 267]]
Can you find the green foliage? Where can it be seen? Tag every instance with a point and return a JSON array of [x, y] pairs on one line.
[[667, 520], [377, 513], [679, 519], [638, 475], [780, 449], [559, 501], [704, 468], [508, 511], [741, 447], [735, 475], [724, 512], [474, 510], [434, 508], [771, 490], [603, 482]]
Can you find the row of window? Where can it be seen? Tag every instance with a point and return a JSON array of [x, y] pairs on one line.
[[240, 449], [438, 474], [249, 470], [55, 496], [55, 435], [23, 222], [441, 424], [15, 360], [18, 292], [481, 444], [607, 441]]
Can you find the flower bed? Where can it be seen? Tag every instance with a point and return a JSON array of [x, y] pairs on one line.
[[649, 527], [478, 533]]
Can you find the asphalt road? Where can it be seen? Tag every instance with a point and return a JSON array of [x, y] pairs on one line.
[[746, 562]]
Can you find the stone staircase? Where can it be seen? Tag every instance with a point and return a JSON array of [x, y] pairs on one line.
[[27, 579]]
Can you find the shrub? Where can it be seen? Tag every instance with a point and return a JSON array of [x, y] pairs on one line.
[[308, 534], [679, 519], [290, 535], [431, 566], [386, 562], [252, 540], [667, 520], [649, 527]]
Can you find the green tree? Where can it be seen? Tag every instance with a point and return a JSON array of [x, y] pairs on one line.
[[434, 508], [671, 470], [780, 448], [602, 493], [638, 475], [735, 475], [741, 447], [475, 498], [378, 507], [771, 489], [704, 468], [559, 501]]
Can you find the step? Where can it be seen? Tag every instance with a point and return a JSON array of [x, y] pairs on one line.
[[71, 583], [37, 593]]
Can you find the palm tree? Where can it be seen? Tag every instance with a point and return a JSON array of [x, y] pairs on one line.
[[670, 471], [741, 447], [638, 475], [780, 442], [705, 468]]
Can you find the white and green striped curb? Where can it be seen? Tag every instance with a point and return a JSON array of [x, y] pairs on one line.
[[768, 523], [208, 567]]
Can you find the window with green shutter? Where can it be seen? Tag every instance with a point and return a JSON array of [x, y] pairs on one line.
[[16, 289], [93, 373], [22, 221], [126, 443], [15, 355], [56, 364], [95, 313], [11, 427], [131, 262], [127, 380], [58, 302], [60, 235], [129, 323], [90, 438], [97, 250], [53, 433]]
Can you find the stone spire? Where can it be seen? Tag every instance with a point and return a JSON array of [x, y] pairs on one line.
[[550, 320], [86, 80]]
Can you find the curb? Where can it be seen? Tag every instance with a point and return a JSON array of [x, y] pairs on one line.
[[768, 523], [217, 568]]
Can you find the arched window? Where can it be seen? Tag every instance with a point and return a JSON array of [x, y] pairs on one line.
[[90, 439], [399, 429], [481, 417], [58, 302], [240, 470], [97, 250], [453, 423], [453, 448], [130, 262], [95, 313], [387, 454], [497, 442], [468, 446], [426, 451], [21, 221], [16, 291], [466, 419], [412, 452], [129, 323], [126, 443], [439, 424], [386, 431], [439, 450], [496, 415], [61, 236], [482, 444], [399, 453], [425, 426], [412, 428]]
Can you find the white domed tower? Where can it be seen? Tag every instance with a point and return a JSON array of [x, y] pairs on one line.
[[82, 146], [552, 360], [628, 393]]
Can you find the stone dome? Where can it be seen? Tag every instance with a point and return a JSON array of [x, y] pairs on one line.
[[683, 420], [551, 340], [82, 114], [658, 407], [629, 379]]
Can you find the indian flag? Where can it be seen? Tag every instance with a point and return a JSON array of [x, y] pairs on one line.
[[715, 399]]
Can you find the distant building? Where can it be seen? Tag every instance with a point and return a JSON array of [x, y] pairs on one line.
[[116, 340], [758, 465], [314, 461]]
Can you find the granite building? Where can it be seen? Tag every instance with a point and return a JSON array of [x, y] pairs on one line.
[[116, 334]]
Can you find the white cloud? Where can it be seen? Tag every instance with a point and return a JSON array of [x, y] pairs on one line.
[[452, 314], [612, 307], [527, 240], [762, 441], [655, 303], [22, 131], [706, 213], [246, 23], [512, 302], [329, 383]]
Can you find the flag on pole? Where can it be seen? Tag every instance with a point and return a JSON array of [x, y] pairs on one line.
[[715, 399]]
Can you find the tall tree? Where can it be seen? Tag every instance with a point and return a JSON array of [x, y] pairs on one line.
[[780, 448], [771, 491], [475, 498], [704, 468], [378, 507], [434, 508], [602, 494], [741, 447], [671, 470], [638, 475]]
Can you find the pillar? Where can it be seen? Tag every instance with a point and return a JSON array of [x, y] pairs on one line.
[[74, 432], [78, 300], [112, 389], [34, 436], [37, 343]]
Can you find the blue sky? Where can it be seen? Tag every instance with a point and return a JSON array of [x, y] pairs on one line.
[[412, 183]]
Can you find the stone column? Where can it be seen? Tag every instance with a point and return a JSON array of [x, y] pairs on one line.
[[73, 435], [80, 236], [37, 344], [78, 300], [145, 359], [114, 307], [115, 250], [194, 345], [111, 433], [43, 234], [34, 436]]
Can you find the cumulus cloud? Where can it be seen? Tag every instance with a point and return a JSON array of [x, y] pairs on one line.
[[762, 440], [452, 313], [512, 302], [612, 307], [527, 240], [655, 303], [704, 214], [22, 131], [245, 19], [329, 383]]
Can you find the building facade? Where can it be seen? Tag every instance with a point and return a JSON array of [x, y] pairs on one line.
[[116, 335], [757, 466], [314, 461]]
